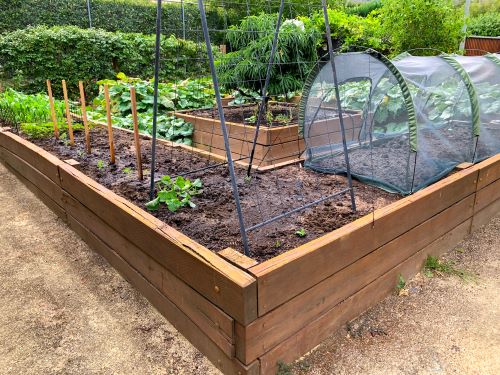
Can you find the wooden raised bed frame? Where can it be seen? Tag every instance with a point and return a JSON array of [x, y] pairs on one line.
[[244, 316]]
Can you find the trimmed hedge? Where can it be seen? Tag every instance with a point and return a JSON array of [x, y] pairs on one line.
[[130, 16], [29, 57]]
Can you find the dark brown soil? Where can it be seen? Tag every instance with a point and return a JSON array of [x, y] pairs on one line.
[[213, 222], [283, 114]]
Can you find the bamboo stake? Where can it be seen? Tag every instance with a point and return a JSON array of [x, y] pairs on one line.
[[52, 109], [110, 125], [84, 117], [68, 114], [137, 140]]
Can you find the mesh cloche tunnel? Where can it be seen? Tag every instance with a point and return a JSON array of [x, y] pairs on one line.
[[408, 122]]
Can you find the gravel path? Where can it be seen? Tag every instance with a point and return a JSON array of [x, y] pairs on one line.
[[64, 310]]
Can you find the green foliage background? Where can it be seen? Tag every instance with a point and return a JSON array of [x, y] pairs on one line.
[[422, 24], [29, 57], [486, 24]]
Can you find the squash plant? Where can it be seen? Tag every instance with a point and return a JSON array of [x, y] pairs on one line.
[[175, 193]]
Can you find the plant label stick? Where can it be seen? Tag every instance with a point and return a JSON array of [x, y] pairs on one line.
[[68, 114], [84, 116], [52, 109], [110, 125], [137, 140]]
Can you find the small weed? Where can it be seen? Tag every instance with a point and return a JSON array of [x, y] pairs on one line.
[[278, 244], [401, 283], [79, 153], [435, 266], [127, 170], [283, 368], [301, 232], [100, 164], [248, 178]]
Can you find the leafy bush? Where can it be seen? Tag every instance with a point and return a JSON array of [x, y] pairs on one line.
[[352, 30], [422, 24], [364, 9], [29, 57], [251, 42], [130, 16], [484, 6], [485, 25]]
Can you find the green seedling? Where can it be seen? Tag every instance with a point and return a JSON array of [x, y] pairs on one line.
[[100, 164], [283, 368], [301, 232], [401, 283], [127, 170], [278, 244], [175, 193]]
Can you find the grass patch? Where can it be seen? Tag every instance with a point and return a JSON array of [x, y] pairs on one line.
[[434, 266]]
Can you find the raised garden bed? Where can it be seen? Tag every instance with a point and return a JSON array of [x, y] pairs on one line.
[[243, 316], [278, 140]]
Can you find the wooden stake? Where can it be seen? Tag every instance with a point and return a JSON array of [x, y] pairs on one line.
[[84, 117], [110, 125], [68, 114], [137, 140], [52, 109]]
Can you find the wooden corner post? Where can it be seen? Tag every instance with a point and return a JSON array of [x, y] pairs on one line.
[[52, 109], [68, 113], [110, 125], [137, 140], [84, 116]]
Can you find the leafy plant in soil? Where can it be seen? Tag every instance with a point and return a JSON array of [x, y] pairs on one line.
[[435, 266], [301, 232], [175, 193]]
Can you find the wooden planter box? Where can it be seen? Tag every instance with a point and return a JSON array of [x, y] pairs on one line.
[[478, 45], [243, 316], [275, 145]]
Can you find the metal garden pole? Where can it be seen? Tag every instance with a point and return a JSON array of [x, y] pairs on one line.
[[264, 97], [337, 97], [89, 13], [155, 100], [223, 127], [183, 20]]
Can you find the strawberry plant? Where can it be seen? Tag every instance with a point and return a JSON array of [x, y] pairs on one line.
[[175, 193]]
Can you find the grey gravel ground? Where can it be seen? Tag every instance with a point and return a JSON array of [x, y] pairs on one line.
[[64, 310]]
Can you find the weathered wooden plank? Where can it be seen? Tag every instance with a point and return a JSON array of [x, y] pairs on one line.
[[311, 335], [489, 171], [228, 287], [269, 330], [37, 178], [238, 259], [212, 321], [166, 307], [486, 195], [58, 210], [33, 155], [484, 216], [291, 273]]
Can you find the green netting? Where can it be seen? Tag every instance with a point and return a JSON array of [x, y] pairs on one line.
[[408, 122]]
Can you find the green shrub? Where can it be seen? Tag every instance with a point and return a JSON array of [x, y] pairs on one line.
[[414, 24], [130, 16], [246, 67], [487, 24], [29, 57], [363, 9], [484, 6], [352, 30]]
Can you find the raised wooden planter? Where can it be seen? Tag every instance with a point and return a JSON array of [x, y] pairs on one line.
[[243, 316], [274, 144], [478, 45]]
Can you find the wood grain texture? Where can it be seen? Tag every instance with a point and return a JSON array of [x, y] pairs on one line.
[[311, 335], [166, 307], [269, 330], [228, 287], [484, 216], [37, 178], [38, 158], [289, 274], [238, 259], [486, 195], [210, 319], [489, 171], [53, 206]]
